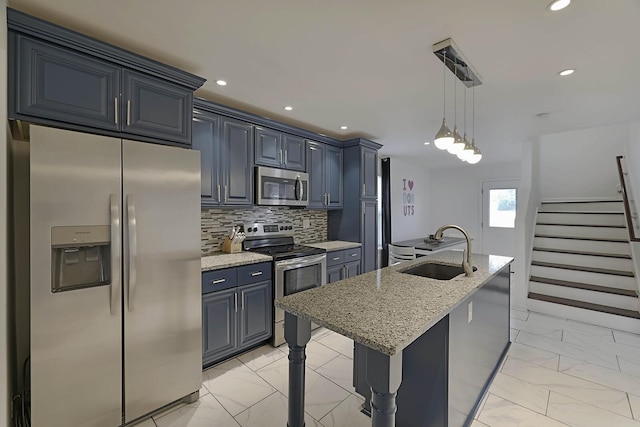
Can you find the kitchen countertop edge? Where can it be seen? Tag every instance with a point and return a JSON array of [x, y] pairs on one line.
[[220, 260], [334, 245]]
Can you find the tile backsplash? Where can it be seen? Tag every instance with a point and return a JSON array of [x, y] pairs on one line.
[[216, 223]]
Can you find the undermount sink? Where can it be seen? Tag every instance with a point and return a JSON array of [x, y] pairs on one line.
[[436, 271]]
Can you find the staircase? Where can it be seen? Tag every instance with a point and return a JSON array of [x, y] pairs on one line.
[[581, 265]]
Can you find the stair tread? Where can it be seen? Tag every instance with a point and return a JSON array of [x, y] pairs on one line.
[[583, 212], [581, 225], [595, 239], [574, 252], [585, 286], [583, 268], [586, 305], [551, 202]]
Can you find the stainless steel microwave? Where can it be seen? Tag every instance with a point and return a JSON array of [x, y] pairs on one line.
[[279, 187]]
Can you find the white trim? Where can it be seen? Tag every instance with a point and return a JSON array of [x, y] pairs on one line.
[[581, 199]]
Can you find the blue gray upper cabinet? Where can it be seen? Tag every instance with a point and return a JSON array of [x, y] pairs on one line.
[[368, 171], [206, 139], [62, 78], [279, 150], [156, 108], [59, 84], [226, 157], [325, 168], [236, 162]]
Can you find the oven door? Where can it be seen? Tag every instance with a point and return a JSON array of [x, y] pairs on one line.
[[281, 187], [298, 274]]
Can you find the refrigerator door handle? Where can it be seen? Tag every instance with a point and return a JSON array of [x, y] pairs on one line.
[[115, 252], [133, 252]]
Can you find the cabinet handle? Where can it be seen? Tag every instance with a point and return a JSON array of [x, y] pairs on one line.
[[215, 282], [241, 301], [336, 258], [225, 193], [354, 254], [280, 156], [257, 273], [346, 272], [218, 192], [235, 301], [115, 108], [364, 189], [128, 112], [285, 157], [363, 213]]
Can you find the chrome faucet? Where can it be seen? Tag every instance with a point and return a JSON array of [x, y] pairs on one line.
[[466, 260]]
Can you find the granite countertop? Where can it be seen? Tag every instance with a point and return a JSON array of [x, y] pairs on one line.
[[224, 260], [387, 310], [334, 245]]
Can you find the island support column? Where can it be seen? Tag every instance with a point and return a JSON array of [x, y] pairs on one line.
[[384, 374], [297, 333]]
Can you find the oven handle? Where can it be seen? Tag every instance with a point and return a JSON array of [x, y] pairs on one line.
[[300, 261]]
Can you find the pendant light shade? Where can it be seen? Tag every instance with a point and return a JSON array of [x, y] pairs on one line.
[[444, 138], [466, 151], [477, 154], [458, 144]]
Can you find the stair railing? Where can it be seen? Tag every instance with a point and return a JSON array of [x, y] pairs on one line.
[[630, 212]]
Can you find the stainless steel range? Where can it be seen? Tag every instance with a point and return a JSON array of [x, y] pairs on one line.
[[295, 267]]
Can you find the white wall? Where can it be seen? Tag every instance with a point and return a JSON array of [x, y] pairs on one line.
[[632, 160], [4, 344], [581, 164], [409, 217], [455, 194]]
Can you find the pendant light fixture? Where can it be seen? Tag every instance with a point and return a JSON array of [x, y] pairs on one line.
[[447, 50], [475, 156], [462, 155], [444, 137], [458, 143]]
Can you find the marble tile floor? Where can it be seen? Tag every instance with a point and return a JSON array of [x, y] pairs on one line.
[[557, 373]]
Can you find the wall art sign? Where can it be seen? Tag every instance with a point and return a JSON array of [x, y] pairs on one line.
[[408, 197]]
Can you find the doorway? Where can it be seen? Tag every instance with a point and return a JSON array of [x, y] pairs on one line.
[[499, 203]]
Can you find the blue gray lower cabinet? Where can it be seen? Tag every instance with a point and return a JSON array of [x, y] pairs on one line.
[[237, 307], [343, 264], [447, 370]]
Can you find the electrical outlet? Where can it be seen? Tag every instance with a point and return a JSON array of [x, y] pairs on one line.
[[470, 312], [306, 223]]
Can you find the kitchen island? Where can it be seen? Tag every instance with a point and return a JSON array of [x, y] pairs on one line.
[[433, 343]]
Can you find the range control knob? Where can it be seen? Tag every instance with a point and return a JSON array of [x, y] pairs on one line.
[[255, 229]]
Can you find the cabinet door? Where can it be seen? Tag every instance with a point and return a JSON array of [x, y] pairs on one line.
[[316, 171], [368, 235], [156, 108], [255, 313], [269, 148], [333, 176], [335, 273], [368, 173], [294, 152], [206, 139], [219, 325], [237, 162], [352, 269], [61, 85]]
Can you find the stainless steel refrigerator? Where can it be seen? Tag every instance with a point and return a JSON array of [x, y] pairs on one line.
[[107, 256]]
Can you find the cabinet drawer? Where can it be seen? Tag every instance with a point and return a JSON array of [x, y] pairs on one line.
[[335, 257], [218, 280], [254, 273], [352, 254]]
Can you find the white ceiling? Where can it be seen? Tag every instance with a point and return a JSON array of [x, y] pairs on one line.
[[368, 64]]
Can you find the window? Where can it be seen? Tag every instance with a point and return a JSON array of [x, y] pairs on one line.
[[502, 208]]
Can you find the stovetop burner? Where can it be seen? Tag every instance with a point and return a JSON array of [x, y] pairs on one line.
[[276, 240]]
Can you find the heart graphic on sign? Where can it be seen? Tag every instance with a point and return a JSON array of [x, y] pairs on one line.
[[410, 185]]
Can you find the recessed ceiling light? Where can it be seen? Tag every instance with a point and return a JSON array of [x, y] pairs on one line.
[[344, 127], [288, 108], [221, 83], [567, 72], [427, 143], [559, 5]]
